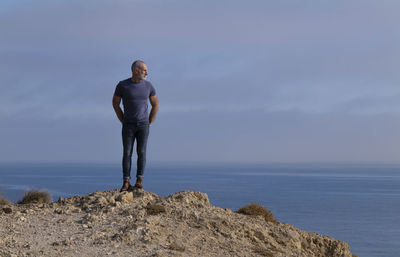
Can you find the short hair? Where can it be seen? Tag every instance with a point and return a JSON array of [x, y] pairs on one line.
[[135, 64]]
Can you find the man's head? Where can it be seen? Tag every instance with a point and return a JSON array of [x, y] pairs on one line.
[[139, 70]]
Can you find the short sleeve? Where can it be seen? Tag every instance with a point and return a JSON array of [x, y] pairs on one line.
[[152, 90], [118, 90]]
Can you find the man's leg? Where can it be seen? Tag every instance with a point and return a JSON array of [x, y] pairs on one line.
[[128, 139], [142, 134]]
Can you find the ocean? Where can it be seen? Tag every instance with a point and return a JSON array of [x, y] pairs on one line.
[[356, 203]]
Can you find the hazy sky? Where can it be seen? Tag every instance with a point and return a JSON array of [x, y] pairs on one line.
[[238, 81]]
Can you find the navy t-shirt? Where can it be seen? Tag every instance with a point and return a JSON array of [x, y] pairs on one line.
[[134, 98]]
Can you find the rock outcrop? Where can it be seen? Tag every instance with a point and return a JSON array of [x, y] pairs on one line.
[[141, 223]]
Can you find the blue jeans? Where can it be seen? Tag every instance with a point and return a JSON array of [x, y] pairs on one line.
[[130, 132]]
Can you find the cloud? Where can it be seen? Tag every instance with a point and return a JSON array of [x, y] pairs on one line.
[[61, 61]]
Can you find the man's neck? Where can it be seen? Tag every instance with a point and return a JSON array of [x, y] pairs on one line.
[[136, 79]]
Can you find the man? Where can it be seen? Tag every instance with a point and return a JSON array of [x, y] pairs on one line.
[[135, 119]]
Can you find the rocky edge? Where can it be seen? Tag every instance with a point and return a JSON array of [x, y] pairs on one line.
[[140, 223]]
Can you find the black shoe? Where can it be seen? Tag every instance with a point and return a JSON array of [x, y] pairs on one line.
[[139, 183], [125, 185]]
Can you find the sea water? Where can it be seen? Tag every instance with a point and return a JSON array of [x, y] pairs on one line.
[[359, 204]]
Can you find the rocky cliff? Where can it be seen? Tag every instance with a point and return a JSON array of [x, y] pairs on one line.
[[141, 223]]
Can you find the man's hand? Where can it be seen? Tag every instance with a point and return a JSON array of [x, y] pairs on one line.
[[154, 108], [116, 101]]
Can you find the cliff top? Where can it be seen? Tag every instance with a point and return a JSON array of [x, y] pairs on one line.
[[140, 223]]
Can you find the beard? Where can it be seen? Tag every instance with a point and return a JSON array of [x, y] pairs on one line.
[[143, 77]]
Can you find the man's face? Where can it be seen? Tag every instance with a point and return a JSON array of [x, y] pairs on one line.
[[141, 71]]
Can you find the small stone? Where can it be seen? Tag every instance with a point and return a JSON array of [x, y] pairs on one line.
[[67, 211], [101, 201], [125, 198], [117, 204], [91, 199], [228, 210], [293, 234], [66, 242], [89, 218], [111, 200]]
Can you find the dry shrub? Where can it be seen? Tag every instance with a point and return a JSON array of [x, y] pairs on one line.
[[154, 209], [257, 210], [35, 196], [4, 201]]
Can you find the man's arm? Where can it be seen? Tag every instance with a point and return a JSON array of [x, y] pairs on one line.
[[116, 101], [154, 108]]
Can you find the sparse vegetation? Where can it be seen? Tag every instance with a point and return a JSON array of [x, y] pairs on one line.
[[257, 210], [154, 209], [35, 196], [4, 201]]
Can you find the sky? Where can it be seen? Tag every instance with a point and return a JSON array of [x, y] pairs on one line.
[[237, 81]]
